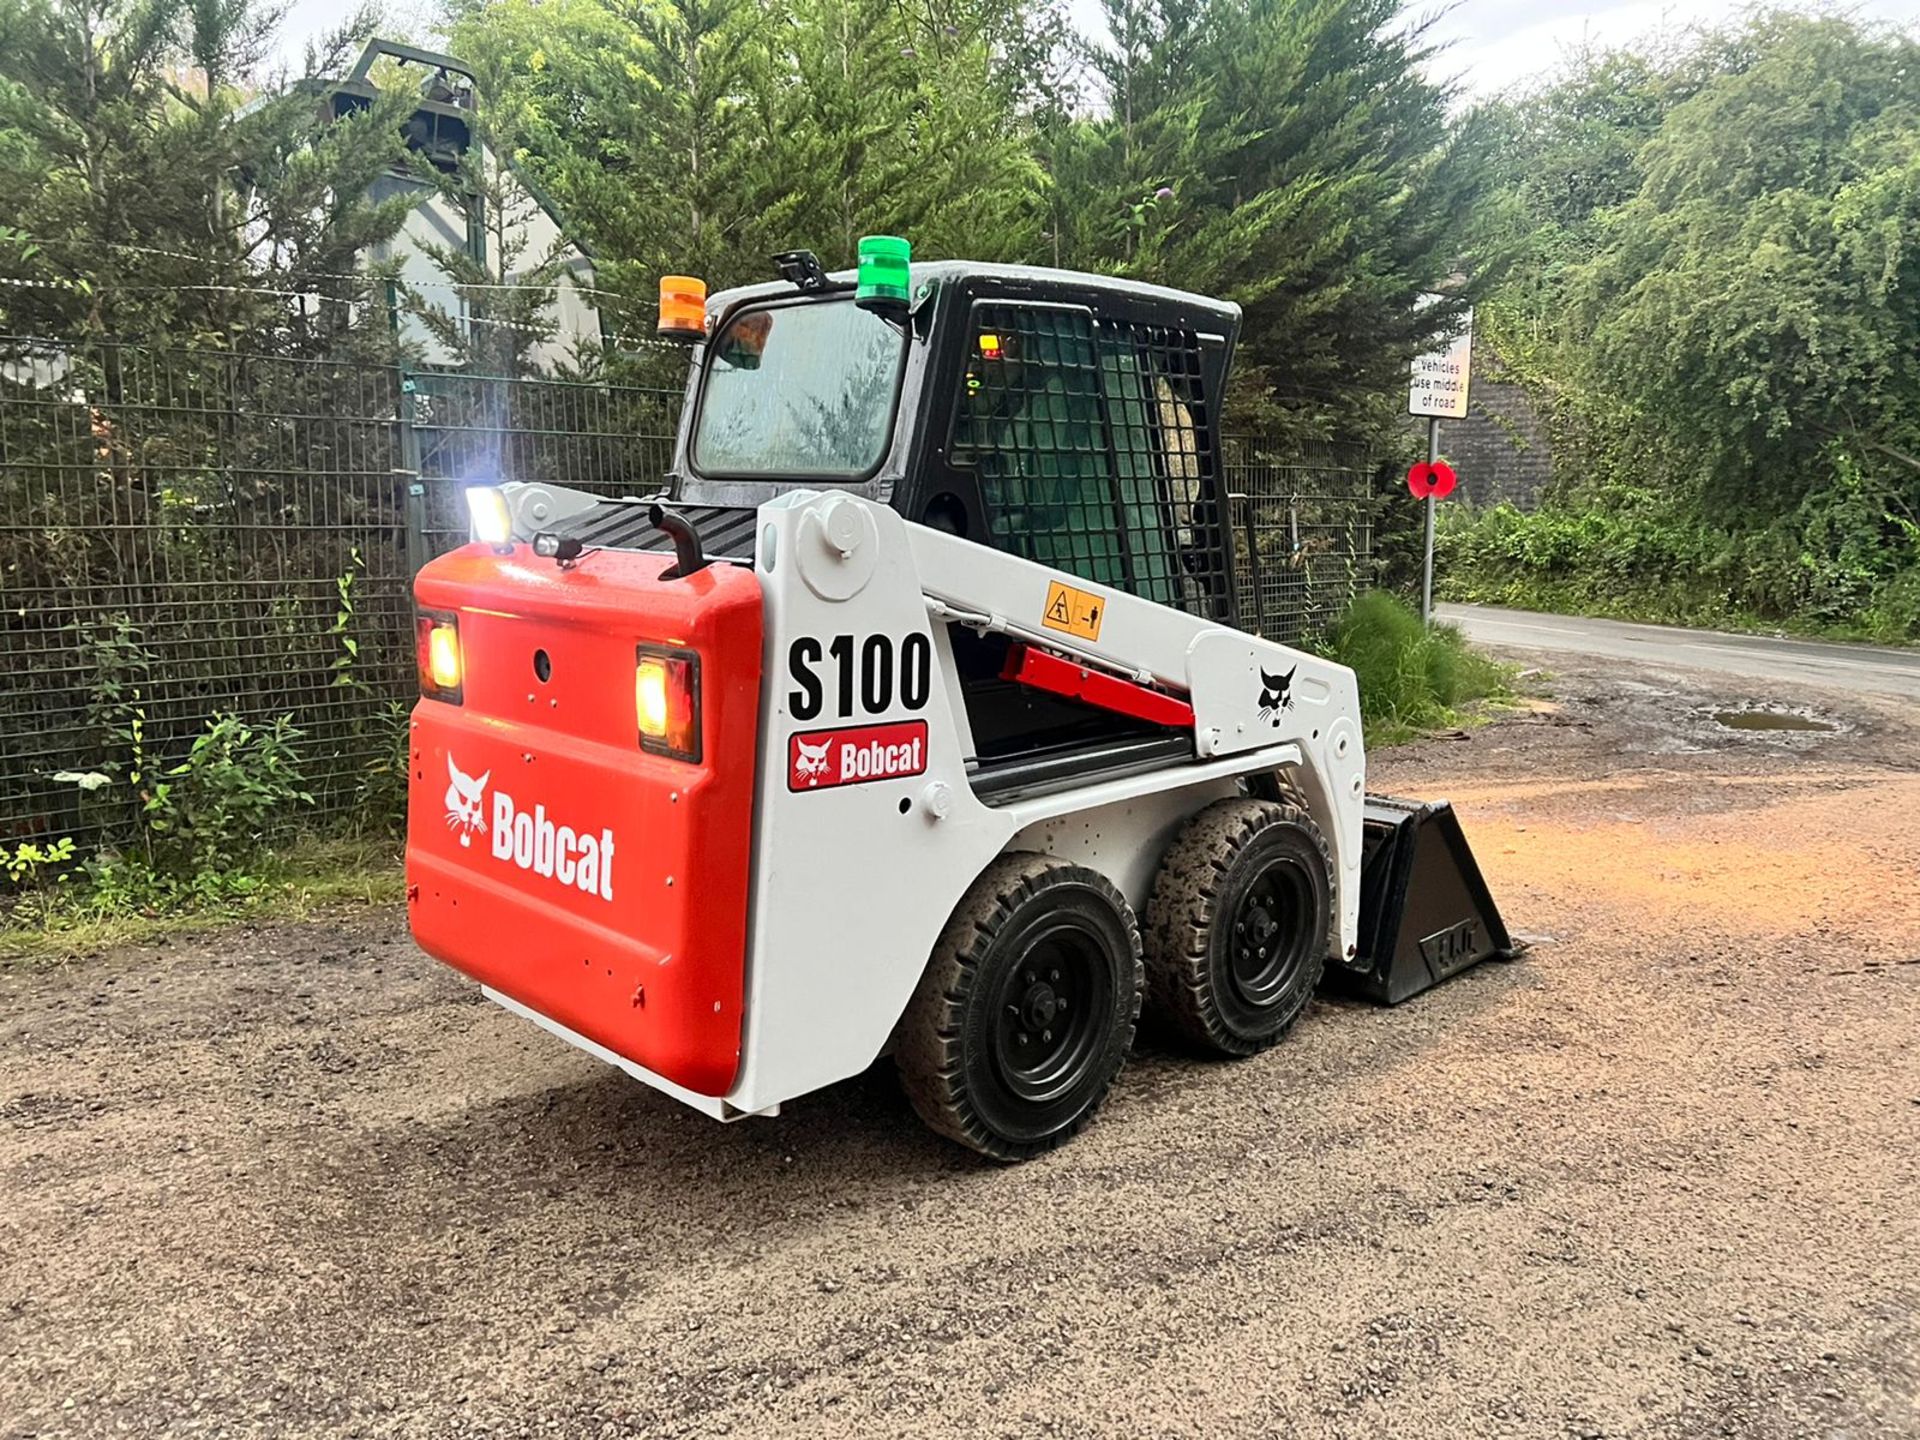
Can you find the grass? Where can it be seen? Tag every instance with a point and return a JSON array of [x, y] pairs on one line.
[[1413, 678], [311, 876]]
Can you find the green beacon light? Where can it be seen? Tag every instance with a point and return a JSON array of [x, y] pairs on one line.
[[883, 273]]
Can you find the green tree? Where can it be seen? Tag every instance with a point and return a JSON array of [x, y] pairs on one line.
[[1761, 289], [902, 119], [1290, 156], [1717, 293], [645, 122], [701, 136]]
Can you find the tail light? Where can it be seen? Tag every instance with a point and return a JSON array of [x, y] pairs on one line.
[[437, 650], [666, 698]]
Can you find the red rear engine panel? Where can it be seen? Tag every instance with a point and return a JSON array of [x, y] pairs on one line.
[[548, 855]]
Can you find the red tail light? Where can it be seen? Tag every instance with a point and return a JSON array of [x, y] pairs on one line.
[[437, 652], [666, 698]]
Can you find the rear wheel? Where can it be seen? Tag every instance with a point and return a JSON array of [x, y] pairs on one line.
[[1237, 929], [1026, 1011]]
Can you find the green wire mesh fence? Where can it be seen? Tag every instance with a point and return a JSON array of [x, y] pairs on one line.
[[186, 532]]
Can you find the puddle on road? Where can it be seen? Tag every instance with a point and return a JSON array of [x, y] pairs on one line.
[[1769, 720]]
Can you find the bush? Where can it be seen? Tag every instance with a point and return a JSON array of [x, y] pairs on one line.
[[197, 832], [1412, 676], [380, 800], [207, 817]]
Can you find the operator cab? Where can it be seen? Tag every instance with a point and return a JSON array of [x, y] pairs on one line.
[[1067, 418], [1070, 419]]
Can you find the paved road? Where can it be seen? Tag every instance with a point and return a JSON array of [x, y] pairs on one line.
[[1864, 669]]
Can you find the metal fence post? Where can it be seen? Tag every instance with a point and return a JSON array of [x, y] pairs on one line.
[[416, 527], [409, 468]]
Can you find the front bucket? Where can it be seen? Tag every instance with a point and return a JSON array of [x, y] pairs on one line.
[[1425, 912]]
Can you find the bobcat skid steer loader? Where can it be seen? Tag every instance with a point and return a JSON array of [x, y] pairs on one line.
[[920, 711]]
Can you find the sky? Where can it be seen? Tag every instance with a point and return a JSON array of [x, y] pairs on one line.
[[1496, 45], [1492, 45]]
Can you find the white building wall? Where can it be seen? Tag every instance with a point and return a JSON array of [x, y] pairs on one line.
[[438, 220]]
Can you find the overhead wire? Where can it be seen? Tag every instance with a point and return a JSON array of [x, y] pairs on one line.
[[130, 248]]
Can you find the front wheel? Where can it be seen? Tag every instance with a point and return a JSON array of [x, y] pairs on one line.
[[1027, 1008], [1237, 929]]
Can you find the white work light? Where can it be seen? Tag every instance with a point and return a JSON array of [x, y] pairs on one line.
[[491, 520]]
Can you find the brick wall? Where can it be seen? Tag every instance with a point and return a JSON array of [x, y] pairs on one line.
[[1501, 449]]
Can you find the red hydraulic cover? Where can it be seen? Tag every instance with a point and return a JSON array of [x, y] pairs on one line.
[[1043, 671], [548, 855]]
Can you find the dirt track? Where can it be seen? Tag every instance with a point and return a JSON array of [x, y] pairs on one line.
[[1658, 1179]]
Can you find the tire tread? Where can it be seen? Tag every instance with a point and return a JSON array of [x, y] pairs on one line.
[[929, 1053], [1181, 913]]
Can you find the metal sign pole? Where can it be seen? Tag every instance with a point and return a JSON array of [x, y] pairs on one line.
[[1426, 576], [1436, 388]]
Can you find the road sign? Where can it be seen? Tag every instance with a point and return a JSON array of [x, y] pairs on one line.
[[1439, 387], [1433, 478]]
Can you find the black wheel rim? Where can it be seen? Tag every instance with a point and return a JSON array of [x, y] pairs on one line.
[[1048, 1010], [1271, 938]]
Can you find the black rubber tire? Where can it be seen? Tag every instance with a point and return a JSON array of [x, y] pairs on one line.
[[1278, 786], [1208, 875], [954, 1061]]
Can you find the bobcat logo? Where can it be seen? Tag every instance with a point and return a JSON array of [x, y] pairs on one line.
[[464, 809], [812, 763], [1276, 695]]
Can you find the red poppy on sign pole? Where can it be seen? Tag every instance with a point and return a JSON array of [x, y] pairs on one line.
[[1431, 478]]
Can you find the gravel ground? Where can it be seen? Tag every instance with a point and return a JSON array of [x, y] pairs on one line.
[[1657, 1179]]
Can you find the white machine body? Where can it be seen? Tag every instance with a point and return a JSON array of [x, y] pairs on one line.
[[867, 830]]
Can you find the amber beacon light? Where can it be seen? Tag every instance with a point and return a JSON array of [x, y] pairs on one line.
[[683, 307]]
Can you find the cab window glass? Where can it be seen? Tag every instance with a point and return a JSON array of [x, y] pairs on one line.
[[804, 391]]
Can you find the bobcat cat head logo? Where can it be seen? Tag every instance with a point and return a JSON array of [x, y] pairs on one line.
[[812, 763], [464, 810], [1276, 695]]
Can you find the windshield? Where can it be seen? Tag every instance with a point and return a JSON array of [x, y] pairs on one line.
[[799, 390]]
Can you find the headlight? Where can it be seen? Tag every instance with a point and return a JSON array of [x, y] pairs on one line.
[[491, 520]]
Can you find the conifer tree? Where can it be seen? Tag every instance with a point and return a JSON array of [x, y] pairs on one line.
[[1292, 157]]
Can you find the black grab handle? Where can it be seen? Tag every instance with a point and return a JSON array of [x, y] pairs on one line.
[[689, 559]]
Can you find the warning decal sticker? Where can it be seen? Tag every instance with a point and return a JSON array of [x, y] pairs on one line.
[[1076, 612]]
